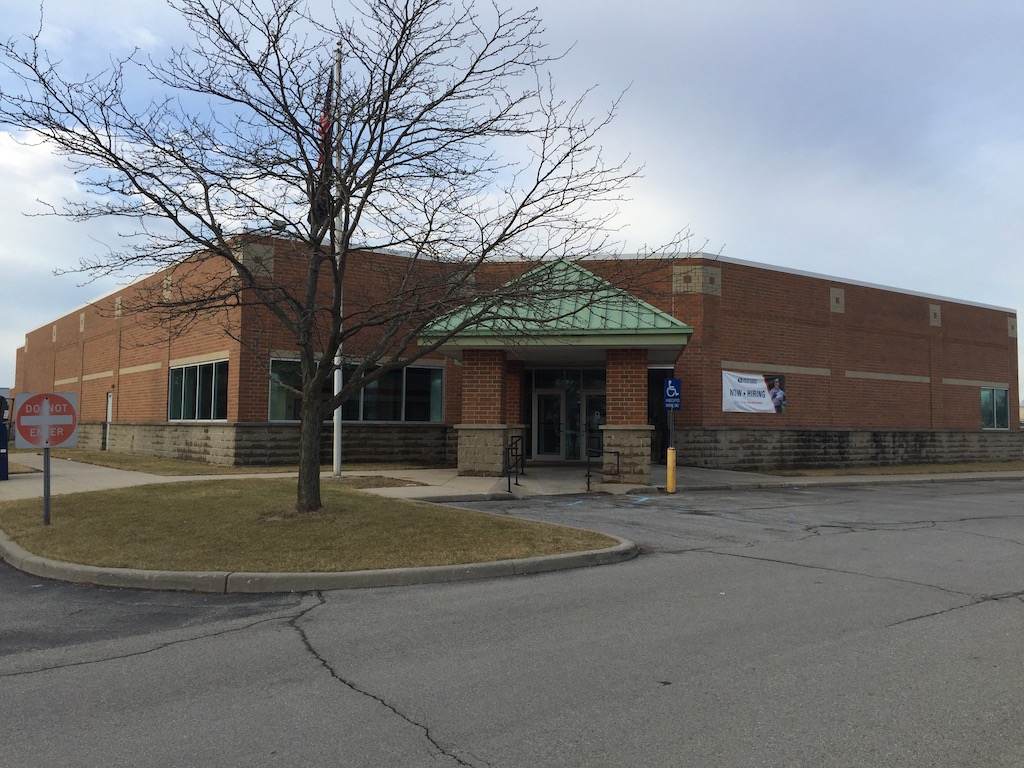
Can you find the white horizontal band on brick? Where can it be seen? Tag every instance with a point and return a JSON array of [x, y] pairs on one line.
[[888, 377], [100, 375], [733, 365], [140, 368], [209, 357], [972, 383], [62, 382]]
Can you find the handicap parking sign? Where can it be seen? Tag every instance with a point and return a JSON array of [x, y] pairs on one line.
[[673, 394]]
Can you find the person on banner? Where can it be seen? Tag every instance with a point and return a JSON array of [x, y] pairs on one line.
[[778, 396]]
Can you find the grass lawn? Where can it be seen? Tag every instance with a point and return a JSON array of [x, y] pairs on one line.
[[245, 525]]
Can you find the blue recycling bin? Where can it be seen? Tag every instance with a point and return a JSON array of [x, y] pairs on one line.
[[4, 470]]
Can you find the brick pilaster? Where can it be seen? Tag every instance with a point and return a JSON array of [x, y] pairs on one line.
[[483, 386], [627, 386]]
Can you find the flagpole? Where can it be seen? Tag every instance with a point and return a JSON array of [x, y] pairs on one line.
[[338, 376]]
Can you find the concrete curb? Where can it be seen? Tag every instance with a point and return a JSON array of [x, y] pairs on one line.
[[220, 582], [849, 481], [746, 485], [131, 578]]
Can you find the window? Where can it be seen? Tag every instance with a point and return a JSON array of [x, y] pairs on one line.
[[284, 403], [382, 399], [198, 392], [995, 408], [410, 394], [424, 396]]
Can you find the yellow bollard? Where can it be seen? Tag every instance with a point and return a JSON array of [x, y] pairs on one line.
[[670, 460]]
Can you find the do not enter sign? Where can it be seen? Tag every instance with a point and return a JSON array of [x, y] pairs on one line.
[[46, 420]]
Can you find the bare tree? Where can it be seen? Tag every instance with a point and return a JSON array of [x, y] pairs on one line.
[[440, 138]]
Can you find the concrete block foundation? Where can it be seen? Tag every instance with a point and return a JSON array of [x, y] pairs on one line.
[[627, 453]]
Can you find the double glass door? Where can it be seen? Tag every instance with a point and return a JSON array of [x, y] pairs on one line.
[[566, 425]]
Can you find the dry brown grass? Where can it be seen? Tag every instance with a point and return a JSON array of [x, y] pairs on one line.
[[245, 525]]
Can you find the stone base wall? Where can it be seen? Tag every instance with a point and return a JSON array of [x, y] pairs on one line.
[[764, 449], [275, 444], [481, 448], [632, 443], [436, 444]]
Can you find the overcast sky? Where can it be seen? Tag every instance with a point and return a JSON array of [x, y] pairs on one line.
[[872, 140]]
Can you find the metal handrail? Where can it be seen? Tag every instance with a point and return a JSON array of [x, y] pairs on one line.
[[515, 459]]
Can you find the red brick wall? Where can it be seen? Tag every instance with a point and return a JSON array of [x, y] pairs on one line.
[[483, 386], [880, 364], [95, 352], [135, 353], [514, 371], [452, 392], [372, 280], [626, 389]]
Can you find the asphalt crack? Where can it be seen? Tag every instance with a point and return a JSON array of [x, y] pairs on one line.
[[870, 527], [977, 601], [147, 651], [837, 570], [919, 525], [433, 743], [984, 536]]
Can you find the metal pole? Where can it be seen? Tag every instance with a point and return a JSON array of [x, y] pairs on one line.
[[672, 430], [46, 486], [670, 454], [339, 381]]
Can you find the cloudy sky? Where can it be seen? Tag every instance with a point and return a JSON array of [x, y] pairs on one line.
[[873, 140]]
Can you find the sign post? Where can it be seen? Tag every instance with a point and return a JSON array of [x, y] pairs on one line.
[[673, 401], [45, 420]]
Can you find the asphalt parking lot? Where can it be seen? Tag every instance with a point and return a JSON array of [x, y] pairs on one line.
[[819, 626]]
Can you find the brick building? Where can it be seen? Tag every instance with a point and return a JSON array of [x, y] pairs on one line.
[[871, 375]]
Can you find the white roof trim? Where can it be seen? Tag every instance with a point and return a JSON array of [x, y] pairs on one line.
[[862, 284]]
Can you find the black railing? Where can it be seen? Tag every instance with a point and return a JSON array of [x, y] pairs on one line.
[[594, 453], [515, 459]]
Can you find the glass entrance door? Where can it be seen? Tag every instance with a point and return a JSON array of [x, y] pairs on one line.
[[568, 428], [564, 408], [548, 427], [594, 414]]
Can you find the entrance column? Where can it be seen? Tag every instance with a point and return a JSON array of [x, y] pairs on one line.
[[627, 435], [483, 432], [514, 373], [515, 428]]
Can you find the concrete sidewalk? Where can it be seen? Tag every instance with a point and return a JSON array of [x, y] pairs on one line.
[[431, 484], [445, 484], [436, 485]]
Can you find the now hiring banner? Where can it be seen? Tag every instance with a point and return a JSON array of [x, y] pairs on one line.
[[753, 393]]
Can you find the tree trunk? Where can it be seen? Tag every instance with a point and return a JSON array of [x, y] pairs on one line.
[[310, 428]]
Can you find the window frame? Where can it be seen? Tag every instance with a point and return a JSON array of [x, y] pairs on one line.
[[995, 402], [208, 386], [356, 407]]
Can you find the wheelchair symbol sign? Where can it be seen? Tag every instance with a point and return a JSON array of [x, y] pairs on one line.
[[673, 394]]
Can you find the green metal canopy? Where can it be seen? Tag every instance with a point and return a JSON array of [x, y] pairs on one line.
[[560, 310]]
